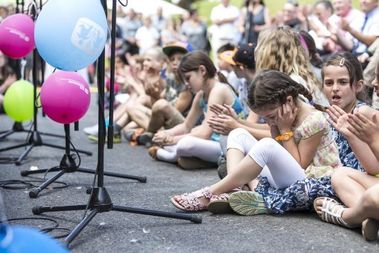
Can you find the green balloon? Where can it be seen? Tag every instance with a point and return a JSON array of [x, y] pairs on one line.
[[18, 101]]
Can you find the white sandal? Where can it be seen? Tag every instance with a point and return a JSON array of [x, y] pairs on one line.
[[331, 211]]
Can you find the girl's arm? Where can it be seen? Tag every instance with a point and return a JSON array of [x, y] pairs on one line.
[[303, 152], [220, 94], [183, 101]]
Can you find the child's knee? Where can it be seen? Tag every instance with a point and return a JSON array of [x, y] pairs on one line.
[[160, 105], [371, 199]]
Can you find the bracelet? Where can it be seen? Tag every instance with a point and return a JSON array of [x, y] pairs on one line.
[[284, 136]]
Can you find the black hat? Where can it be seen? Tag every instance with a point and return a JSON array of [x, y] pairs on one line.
[[244, 55]]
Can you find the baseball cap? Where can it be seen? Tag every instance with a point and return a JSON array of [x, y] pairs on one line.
[[227, 56], [244, 55], [177, 46]]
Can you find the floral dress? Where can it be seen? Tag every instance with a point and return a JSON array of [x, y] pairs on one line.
[[300, 195]]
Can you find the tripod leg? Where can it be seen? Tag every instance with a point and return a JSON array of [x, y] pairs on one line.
[[25, 173], [43, 209], [5, 134], [24, 154], [74, 233], [14, 147], [33, 193], [112, 174], [182, 216], [53, 135], [61, 147]]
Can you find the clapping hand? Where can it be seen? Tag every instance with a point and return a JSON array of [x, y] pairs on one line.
[[363, 127], [223, 109], [338, 118]]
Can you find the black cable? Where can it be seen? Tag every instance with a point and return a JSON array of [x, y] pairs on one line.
[[15, 184], [45, 230]]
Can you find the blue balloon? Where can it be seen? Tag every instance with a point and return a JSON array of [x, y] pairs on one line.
[[71, 34], [19, 239]]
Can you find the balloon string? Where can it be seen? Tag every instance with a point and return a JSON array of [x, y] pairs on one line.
[[33, 9], [124, 4]]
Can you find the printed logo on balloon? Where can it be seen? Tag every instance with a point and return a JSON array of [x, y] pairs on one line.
[[71, 34]]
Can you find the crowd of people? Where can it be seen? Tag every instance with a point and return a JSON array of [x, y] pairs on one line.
[[284, 106]]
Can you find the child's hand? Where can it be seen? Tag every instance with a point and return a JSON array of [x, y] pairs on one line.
[[286, 117], [223, 109], [364, 128], [338, 119], [163, 138], [222, 123]]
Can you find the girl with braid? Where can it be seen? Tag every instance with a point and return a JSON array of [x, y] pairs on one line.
[[301, 145]]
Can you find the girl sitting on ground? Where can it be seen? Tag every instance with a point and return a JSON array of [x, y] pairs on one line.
[[190, 145], [342, 85], [358, 190], [302, 143]]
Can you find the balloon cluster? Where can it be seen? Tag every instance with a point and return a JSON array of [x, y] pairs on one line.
[[69, 35]]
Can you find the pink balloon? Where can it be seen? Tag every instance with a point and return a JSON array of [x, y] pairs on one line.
[[65, 97], [17, 35]]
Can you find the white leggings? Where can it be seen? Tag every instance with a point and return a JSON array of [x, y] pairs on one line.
[[279, 166], [191, 146]]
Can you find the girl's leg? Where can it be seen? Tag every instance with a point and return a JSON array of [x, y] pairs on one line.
[[240, 142], [350, 185], [367, 207], [206, 150], [282, 169], [164, 115], [168, 153], [267, 152]]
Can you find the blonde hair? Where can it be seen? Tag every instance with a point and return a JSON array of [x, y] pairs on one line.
[[280, 49]]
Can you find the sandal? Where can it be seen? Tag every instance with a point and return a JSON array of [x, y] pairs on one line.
[[219, 204], [331, 211], [370, 229], [190, 202]]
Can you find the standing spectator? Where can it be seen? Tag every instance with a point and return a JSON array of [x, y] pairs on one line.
[[147, 36], [196, 32], [129, 25], [255, 18], [224, 29], [159, 22]]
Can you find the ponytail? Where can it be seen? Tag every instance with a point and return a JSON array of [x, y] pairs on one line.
[[222, 78]]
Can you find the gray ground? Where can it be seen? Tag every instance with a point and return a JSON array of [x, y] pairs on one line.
[[125, 232]]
